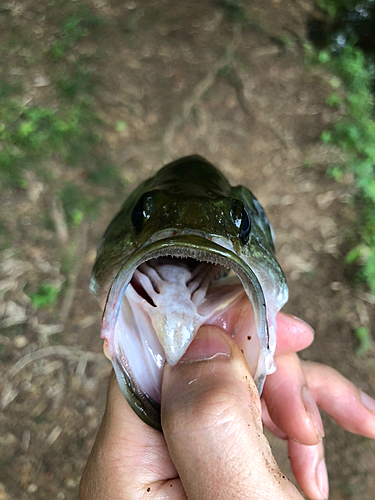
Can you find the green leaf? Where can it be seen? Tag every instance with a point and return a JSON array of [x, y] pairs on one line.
[[324, 57], [334, 100], [365, 342], [326, 137], [335, 82], [77, 217], [353, 255], [45, 296], [121, 126], [336, 173]]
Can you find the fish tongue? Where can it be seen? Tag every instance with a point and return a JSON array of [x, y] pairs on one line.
[[175, 317], [177, 297], [175, 330]]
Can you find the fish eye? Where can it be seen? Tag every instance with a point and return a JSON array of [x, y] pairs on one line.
[[241, 220], [142, 211], [245, 227]]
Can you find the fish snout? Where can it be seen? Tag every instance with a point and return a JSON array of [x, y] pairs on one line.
[[195, 214]]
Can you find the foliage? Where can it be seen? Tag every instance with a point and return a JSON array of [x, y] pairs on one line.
[[334, 7], [74, 28], [355, 134], [45, 296], [365, 342], [31, 136], [121, 126], [334, 100], [76, 203], [77, 81]]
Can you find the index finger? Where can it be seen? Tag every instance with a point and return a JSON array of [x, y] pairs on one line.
[[292, 334]]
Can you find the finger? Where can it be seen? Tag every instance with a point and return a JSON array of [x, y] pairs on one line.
[[269, 423], [211, 422], [293, 334], [307, 462], [290, 403], [127, 456], [343, 401], [309, 469]]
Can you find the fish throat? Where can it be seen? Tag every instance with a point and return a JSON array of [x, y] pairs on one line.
[[176, 296]]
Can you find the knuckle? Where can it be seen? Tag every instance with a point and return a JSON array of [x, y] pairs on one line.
[[210, 411]]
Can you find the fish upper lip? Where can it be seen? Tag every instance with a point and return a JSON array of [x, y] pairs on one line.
[[178, 233]]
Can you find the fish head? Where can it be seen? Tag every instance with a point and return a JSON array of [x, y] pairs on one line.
[[185, 249]]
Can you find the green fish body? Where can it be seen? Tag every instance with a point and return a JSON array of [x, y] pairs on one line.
[[185, 249]]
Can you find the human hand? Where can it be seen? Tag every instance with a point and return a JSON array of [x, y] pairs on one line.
[[213, 445], [293, 393]]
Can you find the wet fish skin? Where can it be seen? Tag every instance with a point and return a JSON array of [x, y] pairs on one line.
[[188, 193], [190, 207]]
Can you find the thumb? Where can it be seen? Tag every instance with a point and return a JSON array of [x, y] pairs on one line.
[[211, 420]]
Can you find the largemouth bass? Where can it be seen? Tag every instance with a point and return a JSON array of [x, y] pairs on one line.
[[186, 249]]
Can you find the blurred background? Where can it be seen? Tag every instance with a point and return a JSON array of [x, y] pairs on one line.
[[97, 95]]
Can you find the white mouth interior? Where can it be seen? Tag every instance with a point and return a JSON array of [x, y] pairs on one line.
[[165, 303]]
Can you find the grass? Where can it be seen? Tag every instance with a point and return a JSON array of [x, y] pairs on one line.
[[364, 338], [45, 296], [354, 133], [79, 81], [77, 203], [73, 29], [31, 136]]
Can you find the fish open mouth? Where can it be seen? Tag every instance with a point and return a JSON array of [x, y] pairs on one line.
[[159, 300]]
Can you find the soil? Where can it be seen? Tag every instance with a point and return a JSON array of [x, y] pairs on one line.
[[232, 85]]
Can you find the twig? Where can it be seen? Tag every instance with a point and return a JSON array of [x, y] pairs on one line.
[[368, 297], [363, 314], [81, 367], [58, 217], [25, 440], [55, 433], [54, 350], [8, 394]]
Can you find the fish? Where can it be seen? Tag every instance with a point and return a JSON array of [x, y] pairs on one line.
[[186, 249]]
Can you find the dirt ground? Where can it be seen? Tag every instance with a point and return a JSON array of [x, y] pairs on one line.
[[231, 85]]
